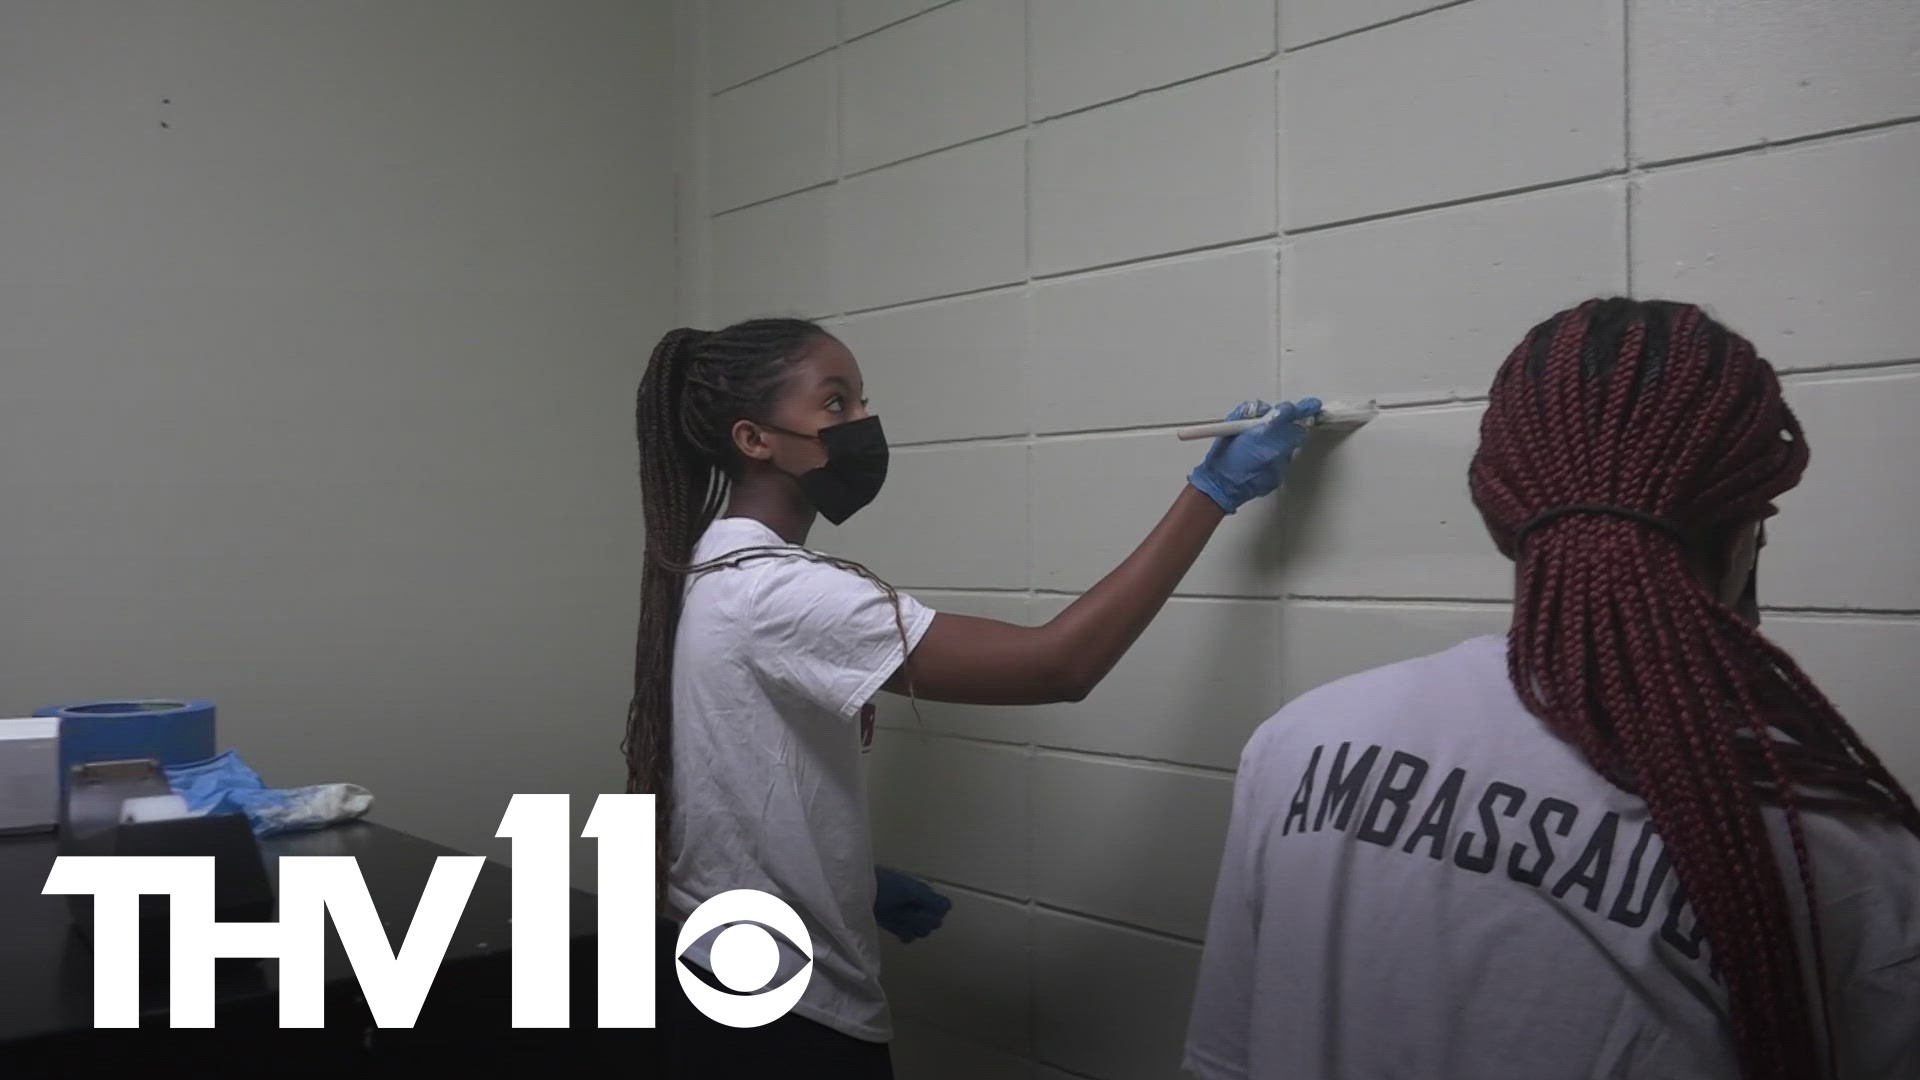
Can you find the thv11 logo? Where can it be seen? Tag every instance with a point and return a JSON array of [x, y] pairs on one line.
[[743, 956]]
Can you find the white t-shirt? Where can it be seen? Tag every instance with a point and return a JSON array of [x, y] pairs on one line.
[[1421, 880], [772, 664]]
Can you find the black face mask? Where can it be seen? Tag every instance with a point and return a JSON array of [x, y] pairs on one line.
[[855, 470], [1749, 604]]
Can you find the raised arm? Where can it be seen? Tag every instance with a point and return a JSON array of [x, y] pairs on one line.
[[987, 662]]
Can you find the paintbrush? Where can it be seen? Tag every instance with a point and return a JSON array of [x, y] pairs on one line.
[[1333, 416]]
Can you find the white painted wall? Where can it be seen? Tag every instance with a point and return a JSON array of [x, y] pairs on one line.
[[1051, 229], [319, 328]]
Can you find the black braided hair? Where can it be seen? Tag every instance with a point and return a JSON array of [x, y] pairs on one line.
[[697, 385]]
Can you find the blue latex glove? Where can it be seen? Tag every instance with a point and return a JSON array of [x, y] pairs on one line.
[[224, 784], [1241, 468], [907, 907]]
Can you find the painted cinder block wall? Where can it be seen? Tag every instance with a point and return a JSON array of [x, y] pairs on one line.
[[1053, 229], [315, 321]]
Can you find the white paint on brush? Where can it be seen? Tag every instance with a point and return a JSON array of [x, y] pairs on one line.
[[1334, 416]]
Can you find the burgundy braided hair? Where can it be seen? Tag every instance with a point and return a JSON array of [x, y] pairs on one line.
[[1625, 444]]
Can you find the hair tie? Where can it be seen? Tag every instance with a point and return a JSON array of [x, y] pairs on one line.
[[1547, 517]]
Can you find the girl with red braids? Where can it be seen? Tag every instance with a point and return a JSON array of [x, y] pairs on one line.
[[1630, 838]]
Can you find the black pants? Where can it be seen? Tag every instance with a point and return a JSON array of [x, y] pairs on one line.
[[696, 1048]]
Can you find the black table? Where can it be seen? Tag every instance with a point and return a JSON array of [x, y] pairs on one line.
[[46, 980]]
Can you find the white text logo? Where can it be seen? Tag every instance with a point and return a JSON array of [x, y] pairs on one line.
[[394, 984]]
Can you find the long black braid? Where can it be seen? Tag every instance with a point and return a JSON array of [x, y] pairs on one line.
[[697, 385]]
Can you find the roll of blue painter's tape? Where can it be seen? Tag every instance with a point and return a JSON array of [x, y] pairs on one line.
[[171, 732]]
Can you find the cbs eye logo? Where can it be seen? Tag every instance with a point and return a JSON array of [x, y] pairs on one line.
[[745, 958]]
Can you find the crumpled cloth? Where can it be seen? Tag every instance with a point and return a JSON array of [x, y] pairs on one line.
[[224, 784]]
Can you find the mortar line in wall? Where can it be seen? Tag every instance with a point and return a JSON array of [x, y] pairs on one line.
[[1277, 300], [1357, 31], [990, 894], [839, 107], [1067, 276], [1365, 600], [1843, 614], [1026, 157], [1028, 359], [1893, 614], [1026, 246], [1025, 439], [1410, 405], [1036, 904], [1801, 376], [1149, 91], [1027, 476], [1162, 427], [1118, 924], [928, 301], [1636, 172], [883, 27], [1449, 204], [1308, 599], [708, 272], [834, 299], [1019, 288], [1626, 135], [1277, 203], [771, 72], [907, 727], [832, 181], [1633, 170], [929, 734], [1071, 753], [1244, 243], [1004, 288], [1033, 977], [1198, 597], [1156, 428], [1378, 600], [1137, 761], [922, 155], [1626, 245], [1769, 146], [1790, 377], [907, 444], [1027, 362], [691, 220], [1626, 81]]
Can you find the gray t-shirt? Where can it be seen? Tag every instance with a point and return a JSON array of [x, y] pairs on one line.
[[773, 663], [1420, 880]]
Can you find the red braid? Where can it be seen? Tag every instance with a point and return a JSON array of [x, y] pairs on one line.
[[1624, 445]]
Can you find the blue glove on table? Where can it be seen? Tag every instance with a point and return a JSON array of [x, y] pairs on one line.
[[1241, 468], [907, 907], [224, 784]]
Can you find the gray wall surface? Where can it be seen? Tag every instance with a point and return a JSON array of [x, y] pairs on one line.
[[1052, 230], [319, 329]]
